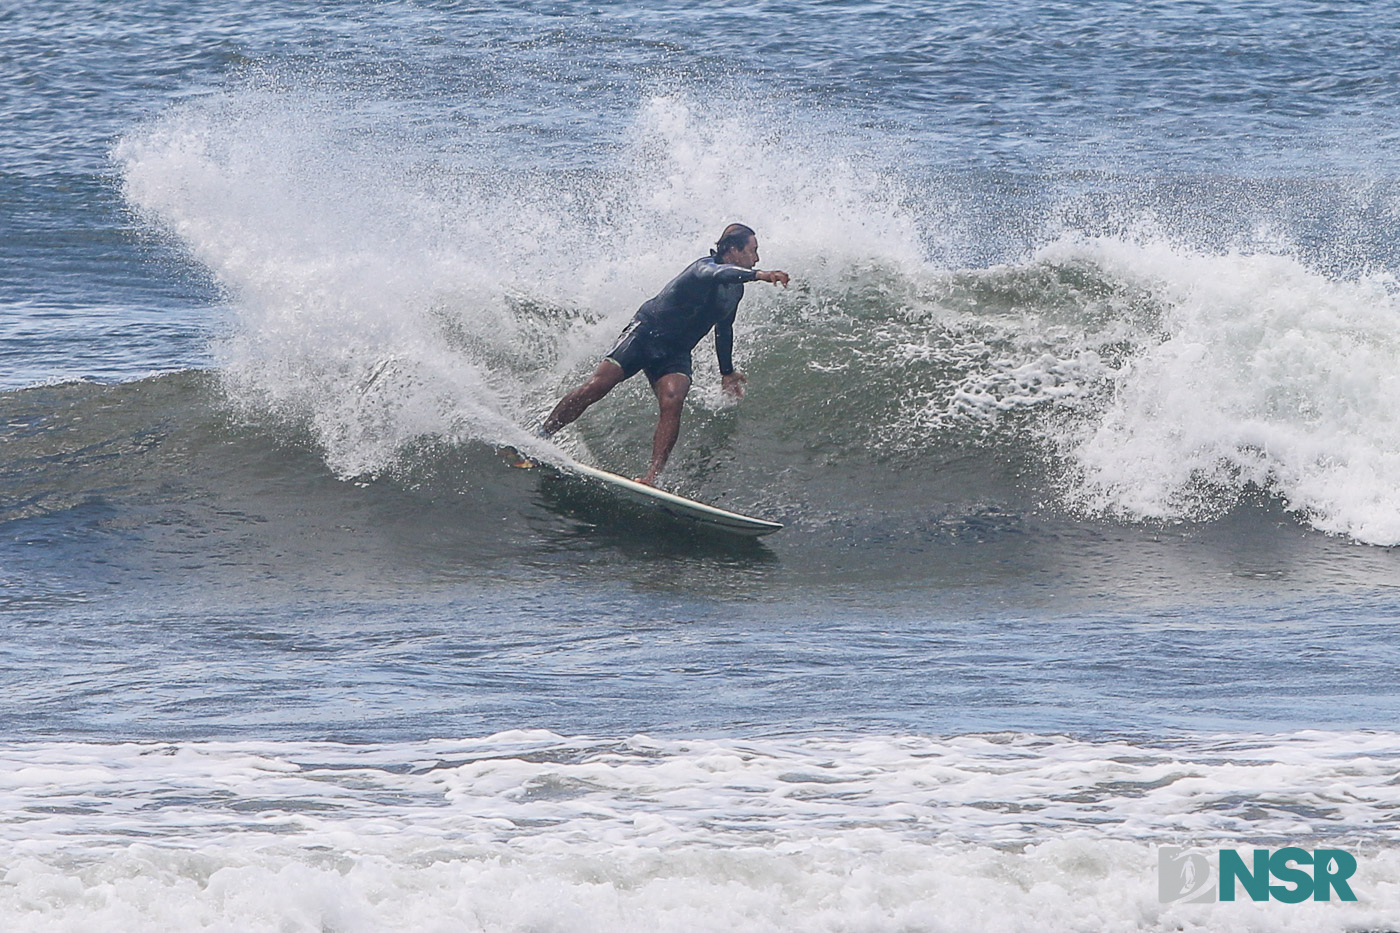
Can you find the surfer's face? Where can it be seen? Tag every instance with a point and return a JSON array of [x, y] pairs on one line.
[[746, 257]]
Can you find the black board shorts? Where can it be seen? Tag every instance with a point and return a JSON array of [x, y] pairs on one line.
[[637, 351]]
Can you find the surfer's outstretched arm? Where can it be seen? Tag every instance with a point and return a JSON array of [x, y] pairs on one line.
[[731, 380]]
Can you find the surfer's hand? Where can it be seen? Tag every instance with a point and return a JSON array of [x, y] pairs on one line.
[[733, 384], [776, 277]]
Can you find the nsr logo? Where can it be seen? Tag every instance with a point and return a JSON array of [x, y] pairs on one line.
[[1186, 877]]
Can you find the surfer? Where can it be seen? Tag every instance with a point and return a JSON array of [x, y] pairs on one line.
[[666, 329]]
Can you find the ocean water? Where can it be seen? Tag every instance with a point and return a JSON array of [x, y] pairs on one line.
[[1079, 413]]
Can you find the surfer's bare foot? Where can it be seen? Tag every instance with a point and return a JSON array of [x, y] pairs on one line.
[[515, 458], [648, 480]]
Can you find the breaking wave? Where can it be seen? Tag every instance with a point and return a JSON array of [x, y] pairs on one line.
[[390, 285]]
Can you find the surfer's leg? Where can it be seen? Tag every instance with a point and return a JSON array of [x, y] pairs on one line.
[[608, 374], [670, 392]]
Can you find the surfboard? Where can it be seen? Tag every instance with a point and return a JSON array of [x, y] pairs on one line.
[[707, 516], [676, 506]]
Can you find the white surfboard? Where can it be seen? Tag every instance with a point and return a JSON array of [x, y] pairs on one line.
[[678, 506]]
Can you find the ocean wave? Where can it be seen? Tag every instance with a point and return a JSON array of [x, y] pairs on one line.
[[380, 299], [383, 300], [1265, 374]]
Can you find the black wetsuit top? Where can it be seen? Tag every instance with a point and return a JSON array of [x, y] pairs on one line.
[[704, 296]]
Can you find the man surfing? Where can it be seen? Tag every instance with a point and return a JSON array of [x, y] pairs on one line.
[[666, 329]]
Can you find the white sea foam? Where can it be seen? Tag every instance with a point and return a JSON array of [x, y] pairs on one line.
[[1170, 380], [1261, 371], [387, 288], [532, 831]]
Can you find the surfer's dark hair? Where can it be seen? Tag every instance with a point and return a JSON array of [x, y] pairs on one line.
[[735, 236]]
